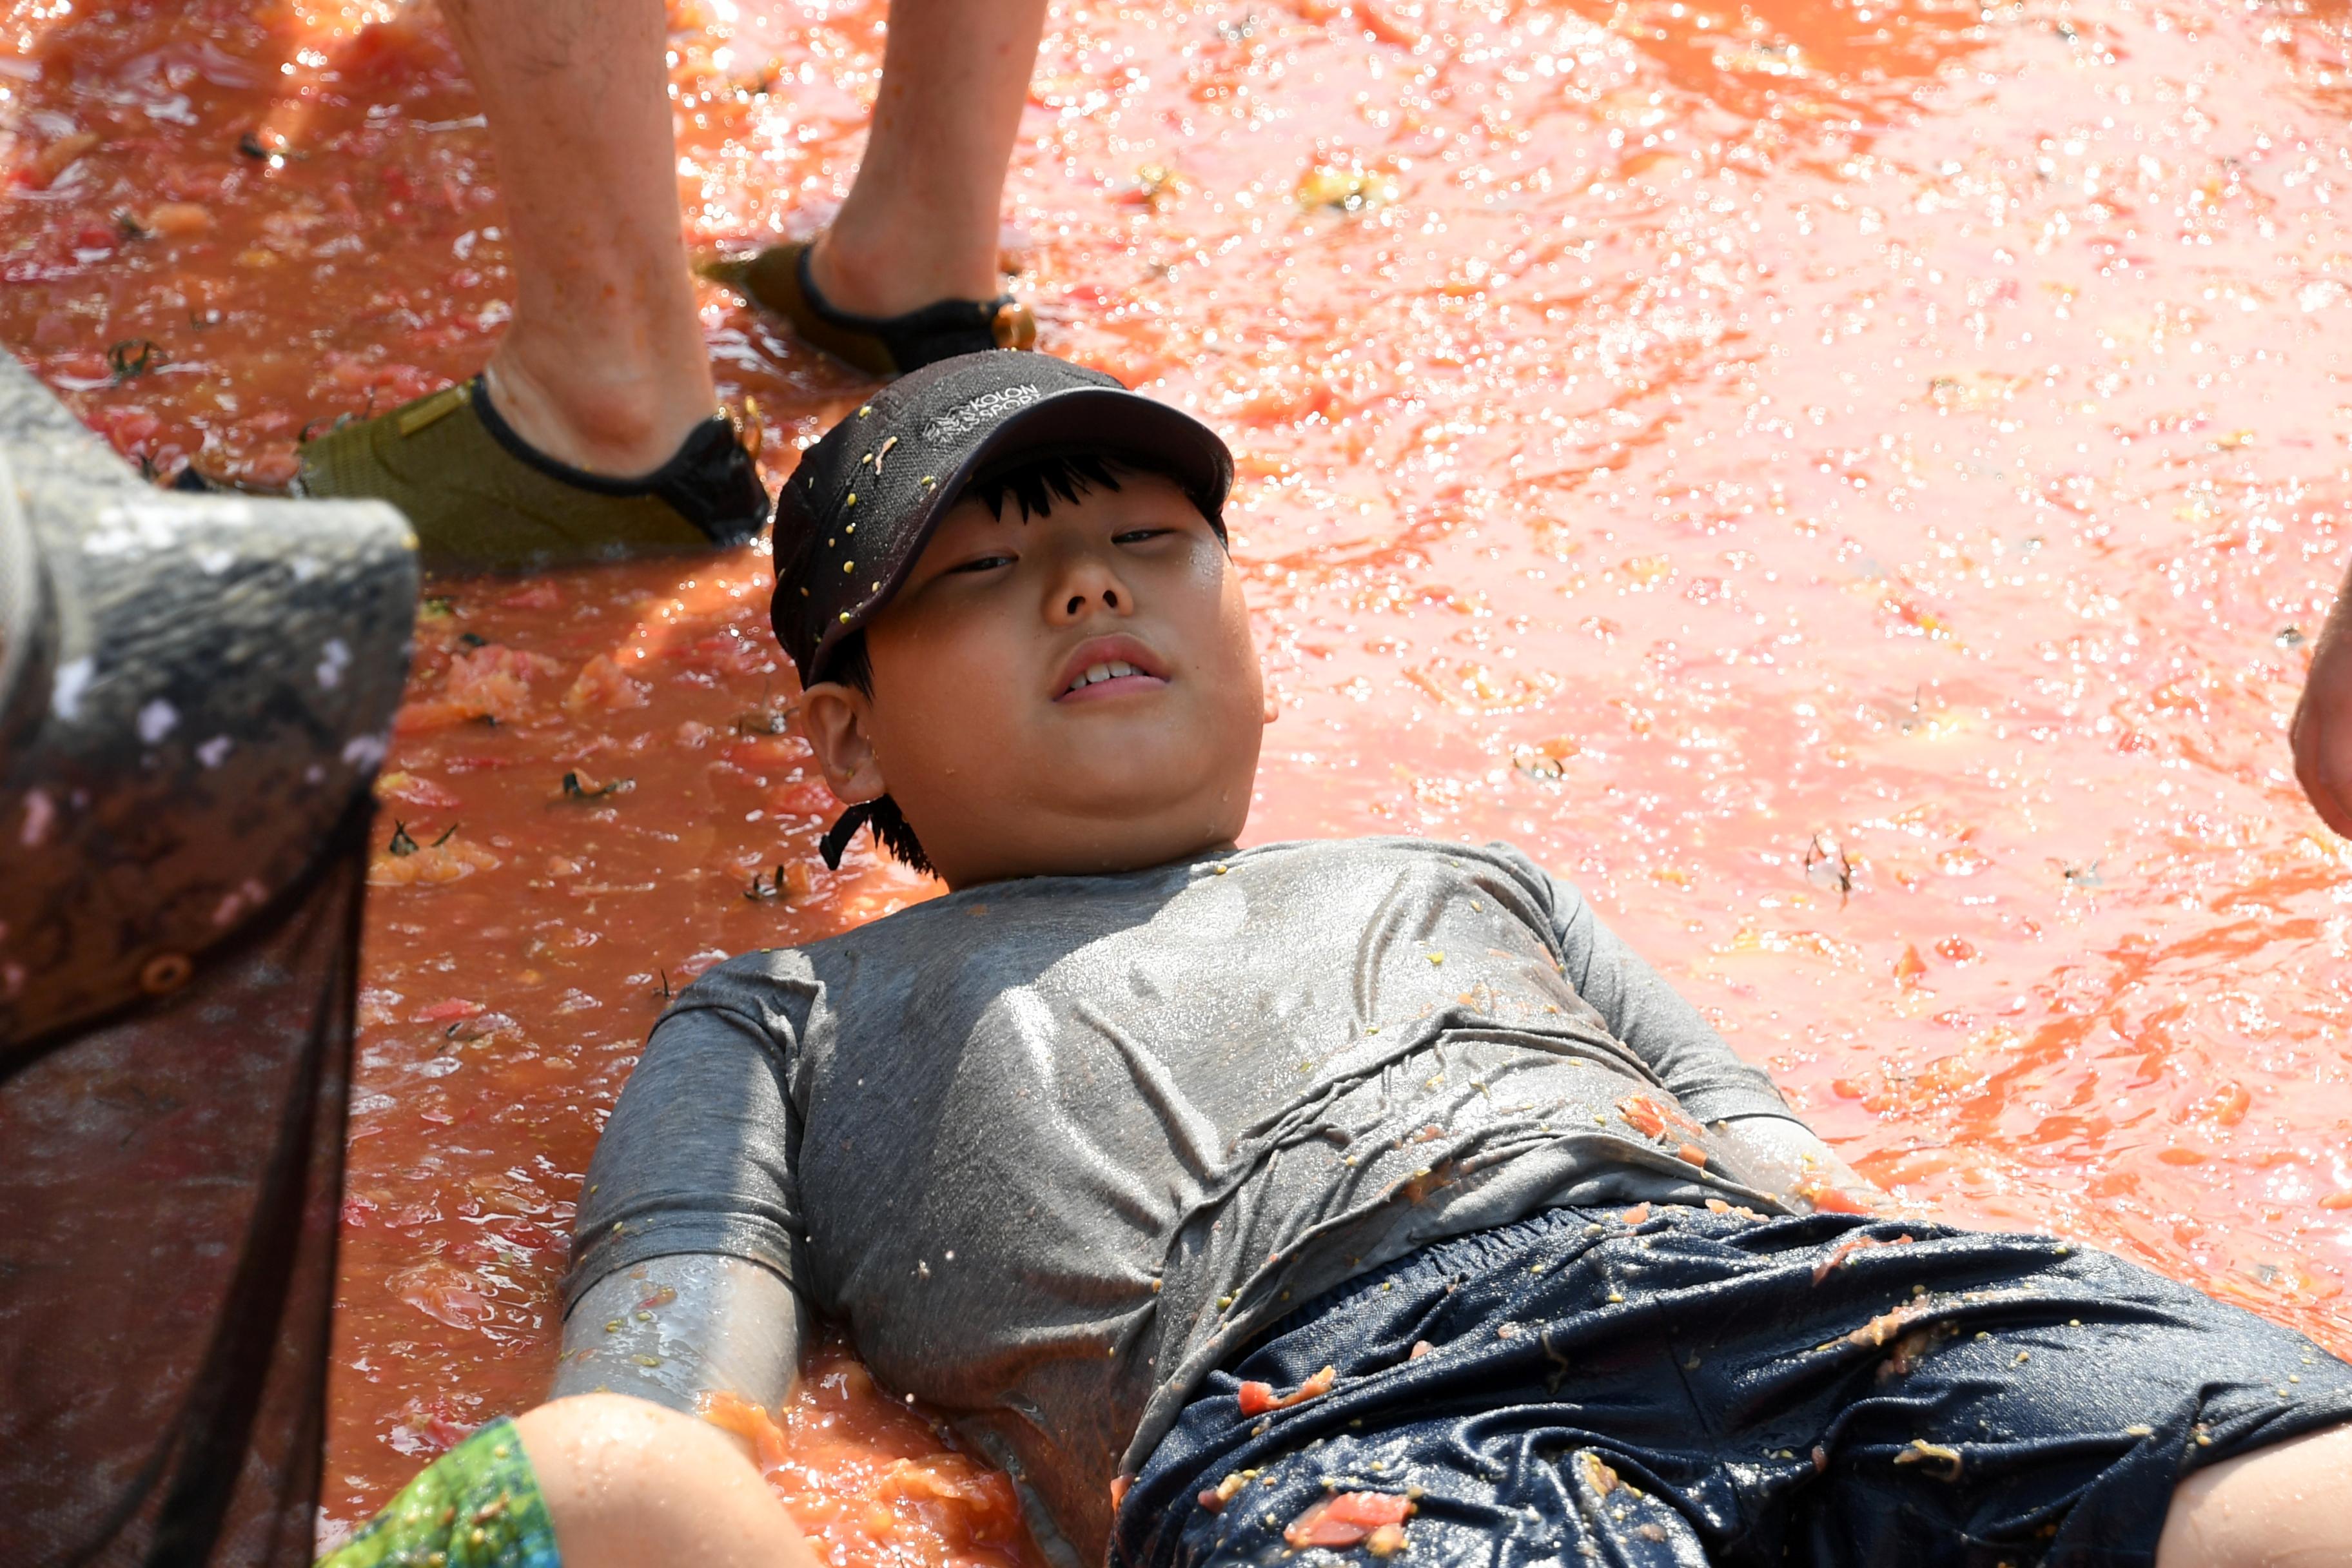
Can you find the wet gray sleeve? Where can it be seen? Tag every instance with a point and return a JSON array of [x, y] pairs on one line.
[[1667, 1032], [672, 1329], [698, 1156]]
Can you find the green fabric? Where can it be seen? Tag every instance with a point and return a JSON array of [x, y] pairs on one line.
[[477, 1506], [475, 503]]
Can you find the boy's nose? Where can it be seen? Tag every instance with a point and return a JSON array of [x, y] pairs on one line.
[[1089, 584]]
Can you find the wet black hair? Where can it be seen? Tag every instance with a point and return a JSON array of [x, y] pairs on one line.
[[1035, 479], [849, 665], [1033, 482]]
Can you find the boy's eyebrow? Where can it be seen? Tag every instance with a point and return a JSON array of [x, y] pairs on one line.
[[963, 540], [949, 526]]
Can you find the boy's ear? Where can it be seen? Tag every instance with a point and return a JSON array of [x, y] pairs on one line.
[[833, 716]]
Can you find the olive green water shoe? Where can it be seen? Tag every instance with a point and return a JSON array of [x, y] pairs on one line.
[[479, 497], [777, 280]]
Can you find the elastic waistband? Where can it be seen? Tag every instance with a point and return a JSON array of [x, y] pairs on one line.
[[1455, 1257]]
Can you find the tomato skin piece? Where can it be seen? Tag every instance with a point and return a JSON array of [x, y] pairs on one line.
[[733, 1413], [1835, 1260], [1642, 1112], [1213, 1498], [1827, 1199], [1257, 1398], [1347, 1519], [1371, 1508], [1651, 1119]]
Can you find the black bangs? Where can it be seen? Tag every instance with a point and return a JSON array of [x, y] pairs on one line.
[[1037, 480]]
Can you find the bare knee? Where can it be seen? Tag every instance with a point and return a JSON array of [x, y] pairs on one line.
[[627, 1481], [2281, 1507]]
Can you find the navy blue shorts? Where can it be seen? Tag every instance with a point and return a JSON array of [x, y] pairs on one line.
[[1699, 1388]]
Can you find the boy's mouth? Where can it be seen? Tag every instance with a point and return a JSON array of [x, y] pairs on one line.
[[1106, 667]]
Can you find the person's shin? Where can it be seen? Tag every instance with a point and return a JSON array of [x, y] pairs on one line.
[[603, 367]]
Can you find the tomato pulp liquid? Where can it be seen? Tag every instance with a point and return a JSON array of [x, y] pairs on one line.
[[1848, 484]]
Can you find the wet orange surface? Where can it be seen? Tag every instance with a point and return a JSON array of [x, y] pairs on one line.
[[866, 1480], [1848, 484]]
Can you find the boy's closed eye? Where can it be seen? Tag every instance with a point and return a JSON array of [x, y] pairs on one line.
[[996, 559]]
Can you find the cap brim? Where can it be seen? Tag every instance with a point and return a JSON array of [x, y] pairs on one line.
[[1108, 421]]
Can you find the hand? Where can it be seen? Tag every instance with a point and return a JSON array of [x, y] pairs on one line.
[[2322, 732], [1789, 1159]]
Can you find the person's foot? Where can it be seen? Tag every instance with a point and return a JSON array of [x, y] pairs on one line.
[[868, 274], [481, 495], [787, 280], [597, 408]]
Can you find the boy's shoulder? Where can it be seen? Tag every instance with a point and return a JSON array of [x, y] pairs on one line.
[[1012, 922], [1383, 854], [951, 920]]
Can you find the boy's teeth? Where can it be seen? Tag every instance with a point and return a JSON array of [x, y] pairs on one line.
[[1095, 672]]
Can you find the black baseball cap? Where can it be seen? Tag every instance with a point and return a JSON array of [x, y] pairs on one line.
[[860, 507]]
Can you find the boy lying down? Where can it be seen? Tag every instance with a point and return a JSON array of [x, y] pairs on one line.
[[1355, 1197]]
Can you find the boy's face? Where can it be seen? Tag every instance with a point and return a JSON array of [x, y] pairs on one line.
[[984, 726]]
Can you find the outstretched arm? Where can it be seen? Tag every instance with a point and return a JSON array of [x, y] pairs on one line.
[[687, 1251], [1788, 1157], [697, 1155], [1695, 1064], [1653, 1021], [674, 1328]]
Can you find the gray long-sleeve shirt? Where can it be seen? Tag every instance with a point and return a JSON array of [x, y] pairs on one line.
[[1052, 1149]]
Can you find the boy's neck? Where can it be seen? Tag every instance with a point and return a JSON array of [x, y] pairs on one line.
[[1211, 851]]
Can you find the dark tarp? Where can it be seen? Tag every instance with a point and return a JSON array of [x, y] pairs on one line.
[[194, 694], [171, 1186]]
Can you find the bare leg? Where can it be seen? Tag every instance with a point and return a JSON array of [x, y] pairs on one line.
[[2283, 1507], [628, 1483], [922, 221], [605, 367]]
